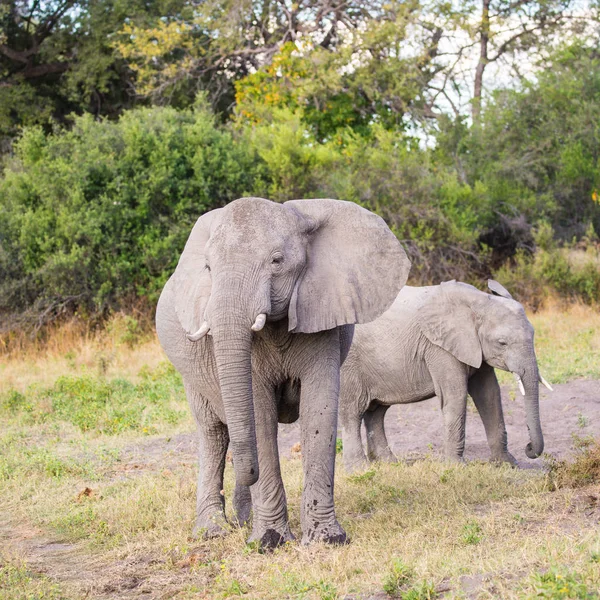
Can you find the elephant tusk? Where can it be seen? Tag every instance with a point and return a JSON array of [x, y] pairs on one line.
[[520, 382], [194, 337], [260, 322], [544, 382]]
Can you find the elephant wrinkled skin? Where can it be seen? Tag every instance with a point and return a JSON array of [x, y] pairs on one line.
[[258, 318], [442, 341]]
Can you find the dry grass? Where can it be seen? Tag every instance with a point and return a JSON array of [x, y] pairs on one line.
[[445, 525], [567, 342], [121, 349], [582, 471]]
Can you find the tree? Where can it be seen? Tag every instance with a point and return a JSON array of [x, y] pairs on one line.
[[56, 58], [355, 60]]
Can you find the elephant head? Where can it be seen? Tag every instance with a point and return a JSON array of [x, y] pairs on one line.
[[318, 263], [476, 327]]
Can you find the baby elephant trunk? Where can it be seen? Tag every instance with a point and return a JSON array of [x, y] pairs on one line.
[[530, 380]]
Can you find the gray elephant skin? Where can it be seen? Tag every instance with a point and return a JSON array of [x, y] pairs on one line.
[[442, 341], [258, 318]]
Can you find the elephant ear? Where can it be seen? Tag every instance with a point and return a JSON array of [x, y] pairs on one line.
[[192, 283], [447, 321], [355, 266], [498, 290]]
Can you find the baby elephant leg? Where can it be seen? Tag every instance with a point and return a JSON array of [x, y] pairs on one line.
[[455, 413], [377, 444], [485, 391], [352, 448]]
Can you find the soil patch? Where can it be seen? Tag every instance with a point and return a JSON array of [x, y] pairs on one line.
[[569, 413]]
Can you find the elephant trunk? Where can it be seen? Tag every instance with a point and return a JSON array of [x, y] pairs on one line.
[[232, 341], [530, 379]]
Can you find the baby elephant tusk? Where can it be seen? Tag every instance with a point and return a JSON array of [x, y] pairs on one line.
[[260, 322], [544, 382], [194, 337], [520, 382]]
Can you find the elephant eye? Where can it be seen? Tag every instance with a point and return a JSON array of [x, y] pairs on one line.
[[207, 267], [277, 259], [503, 342]]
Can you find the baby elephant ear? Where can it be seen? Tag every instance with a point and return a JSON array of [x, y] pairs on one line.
[[447, 321], [498, 290], [355, 266], [192, 283]]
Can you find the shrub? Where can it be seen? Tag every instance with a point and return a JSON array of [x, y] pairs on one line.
[[571, 271], [583, 470], [97, 215], [398, 576]]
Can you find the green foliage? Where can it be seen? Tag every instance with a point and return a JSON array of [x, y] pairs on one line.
[[100, 406], [538, 149], [57, 58], [471, 533], [572, 269], [94, 217], [18, 583], [554, 586], [97, 215], [421, 591], [397, 577]]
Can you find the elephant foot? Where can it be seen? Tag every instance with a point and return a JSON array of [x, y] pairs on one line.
[[242, 504], [503, 458], [456, 459], [212, 527], [330, 533], [352, 467], [270, 538], [384, 457]]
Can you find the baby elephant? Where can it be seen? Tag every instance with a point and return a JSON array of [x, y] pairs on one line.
[[443, 341]]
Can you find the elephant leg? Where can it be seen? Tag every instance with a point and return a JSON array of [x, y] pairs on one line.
[[213, 439], [485, 391], [270, 526], [320, 390], [242, 504], [377, 444], [353, 453], [454, 409]]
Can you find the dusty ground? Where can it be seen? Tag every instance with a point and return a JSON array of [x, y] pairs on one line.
[[570, 412]]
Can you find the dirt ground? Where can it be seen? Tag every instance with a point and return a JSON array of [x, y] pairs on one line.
[[414, 431]]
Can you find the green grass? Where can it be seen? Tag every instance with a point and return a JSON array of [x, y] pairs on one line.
[[94, 404], [18, 583]]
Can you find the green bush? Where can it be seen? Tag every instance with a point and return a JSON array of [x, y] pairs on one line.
[[98, 215], [570, 270]]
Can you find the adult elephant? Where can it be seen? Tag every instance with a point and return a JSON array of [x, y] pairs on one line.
[[442, 341], [277, 288]]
